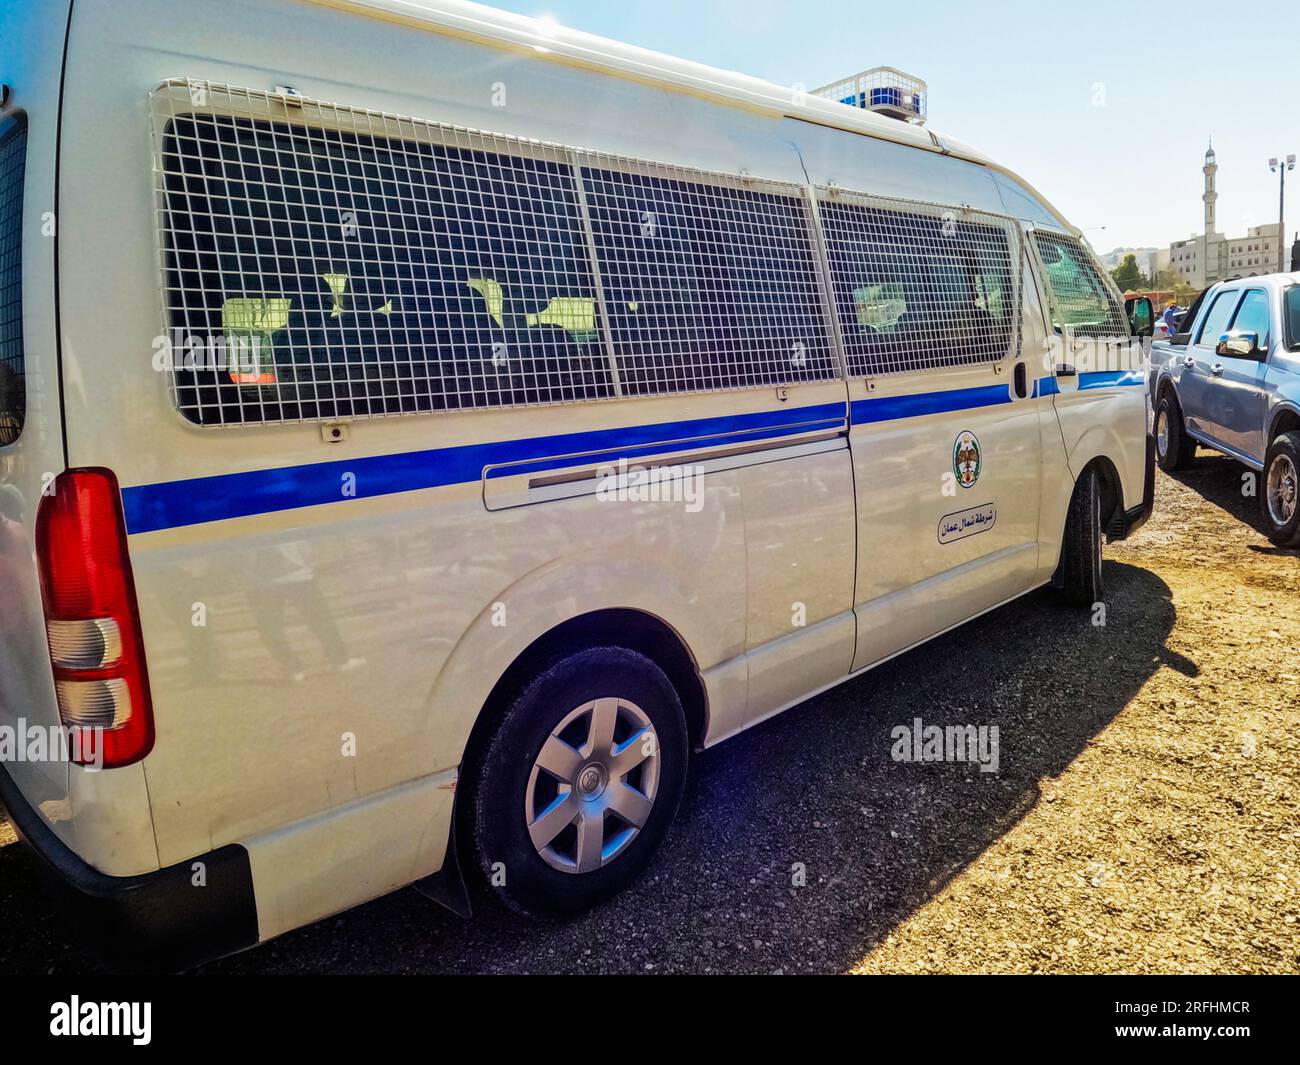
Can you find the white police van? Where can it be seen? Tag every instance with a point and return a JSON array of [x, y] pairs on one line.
[[421, 428]]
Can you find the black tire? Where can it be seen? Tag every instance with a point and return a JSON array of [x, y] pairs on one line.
[[501, 781], [1180, 449], [1079, 574], [1283, 458]]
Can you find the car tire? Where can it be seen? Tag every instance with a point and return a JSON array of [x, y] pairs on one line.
[[1178, 450], [1079, 578], [554, 816], [1278, 493]]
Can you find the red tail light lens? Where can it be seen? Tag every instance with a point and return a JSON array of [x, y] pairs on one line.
[[91, 621]]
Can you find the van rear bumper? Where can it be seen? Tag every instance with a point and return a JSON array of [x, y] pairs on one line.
[[159, 920], [1127, 522]]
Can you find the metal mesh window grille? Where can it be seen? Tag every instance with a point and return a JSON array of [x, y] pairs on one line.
[[323, 262], [13, 393], [1081, 298], [707, 284], [920, 287]]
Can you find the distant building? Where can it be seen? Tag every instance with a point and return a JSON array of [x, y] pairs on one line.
[[1208, 257], [1150, 261]]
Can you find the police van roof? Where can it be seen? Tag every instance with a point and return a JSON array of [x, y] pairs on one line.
[[562, 44]]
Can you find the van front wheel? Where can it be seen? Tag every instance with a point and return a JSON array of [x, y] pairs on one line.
[[579, 785], [1079, 574]]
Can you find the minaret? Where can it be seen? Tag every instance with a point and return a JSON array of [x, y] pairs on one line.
[[1210, 168]]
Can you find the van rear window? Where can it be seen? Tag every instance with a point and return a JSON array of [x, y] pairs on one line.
[[315, 273], [13, 389]]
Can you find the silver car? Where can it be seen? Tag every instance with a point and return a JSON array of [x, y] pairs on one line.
[[1230, 380]]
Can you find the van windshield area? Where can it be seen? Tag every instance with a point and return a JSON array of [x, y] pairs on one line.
[[1081, 301], [1291, 313], [13, 394]]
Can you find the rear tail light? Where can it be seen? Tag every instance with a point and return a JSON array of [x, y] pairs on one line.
[[91, 621]]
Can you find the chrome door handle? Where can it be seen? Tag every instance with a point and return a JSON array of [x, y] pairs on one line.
[[1217, 369]]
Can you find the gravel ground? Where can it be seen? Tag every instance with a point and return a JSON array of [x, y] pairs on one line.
[[1144, 818]]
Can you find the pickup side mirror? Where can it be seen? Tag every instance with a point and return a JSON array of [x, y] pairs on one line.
[[1141, 316], [1239, 344]]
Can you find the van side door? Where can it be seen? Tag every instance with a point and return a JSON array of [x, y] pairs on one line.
[[944, 435], [716, 302]]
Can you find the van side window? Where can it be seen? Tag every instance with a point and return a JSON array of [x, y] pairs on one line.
[[918, 291], [1253, 316], [707, 285], [345, 274], [13, 389], [1080, 299], [1216, 319]]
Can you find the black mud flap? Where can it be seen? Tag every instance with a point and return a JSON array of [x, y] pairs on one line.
[[447, 887]]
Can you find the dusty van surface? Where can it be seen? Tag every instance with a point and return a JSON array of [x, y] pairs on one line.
[[420, 463]]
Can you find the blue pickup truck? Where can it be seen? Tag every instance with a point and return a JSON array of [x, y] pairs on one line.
[[1230, 380]]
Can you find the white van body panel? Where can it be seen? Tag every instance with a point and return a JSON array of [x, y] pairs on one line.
[[85, 809], [317, 667], [351, 853], [1100, 421]]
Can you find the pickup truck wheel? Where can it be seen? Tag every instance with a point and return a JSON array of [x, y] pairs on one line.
[[1175, 450], [1079, 575], [578, 786], [1279, 500]]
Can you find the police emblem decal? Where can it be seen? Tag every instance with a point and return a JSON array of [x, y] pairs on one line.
[[966, 459]]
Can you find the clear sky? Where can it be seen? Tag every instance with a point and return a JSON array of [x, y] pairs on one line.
[[1104, 106]]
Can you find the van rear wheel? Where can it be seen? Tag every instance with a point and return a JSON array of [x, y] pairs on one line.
[[1079, 574], [1175, 450], [579, 784], [1279, 500]]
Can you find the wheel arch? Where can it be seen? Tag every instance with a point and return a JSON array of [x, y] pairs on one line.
[[1165, 386], [634, 629], [1286, 419], [1112, 492]]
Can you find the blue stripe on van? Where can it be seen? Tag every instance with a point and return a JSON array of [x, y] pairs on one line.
[[174, 504], [1047, 386], [1110, 378], [887, 408]]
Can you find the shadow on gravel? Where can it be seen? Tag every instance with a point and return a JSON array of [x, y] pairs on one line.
[[815, 787], [1218, 479]]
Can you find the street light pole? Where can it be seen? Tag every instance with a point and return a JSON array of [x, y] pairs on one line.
[[1281, 166]]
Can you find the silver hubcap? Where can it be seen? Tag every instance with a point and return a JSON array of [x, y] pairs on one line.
[[1281, 490], [593, 785], [1162, 432]]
